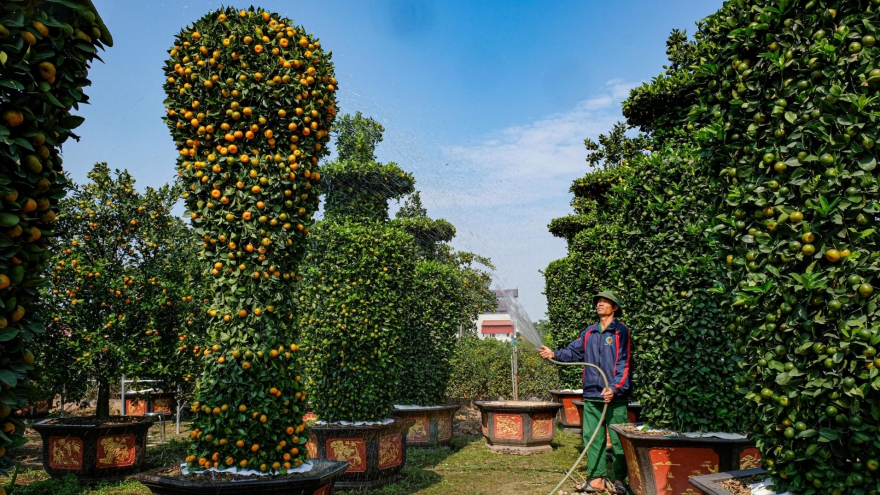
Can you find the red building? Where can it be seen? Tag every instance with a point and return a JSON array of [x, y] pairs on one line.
[[498, 325]]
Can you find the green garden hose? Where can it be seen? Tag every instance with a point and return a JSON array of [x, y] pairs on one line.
[[598, 428]]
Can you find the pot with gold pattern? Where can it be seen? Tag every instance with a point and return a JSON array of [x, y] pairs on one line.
[[519, 427]]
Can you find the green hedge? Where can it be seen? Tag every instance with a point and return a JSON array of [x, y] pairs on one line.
[[644, 235], [482, 371], [355, 291]]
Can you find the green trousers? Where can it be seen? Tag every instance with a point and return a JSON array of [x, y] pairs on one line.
[[616, 415]]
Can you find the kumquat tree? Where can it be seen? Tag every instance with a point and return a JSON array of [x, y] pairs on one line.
[[250, 104], [46, 48], [360, 268], [121, 298]]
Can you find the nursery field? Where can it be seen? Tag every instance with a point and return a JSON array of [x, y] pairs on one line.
[[466, 468]]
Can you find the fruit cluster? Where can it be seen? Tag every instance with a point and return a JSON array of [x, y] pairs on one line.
[[45, 51], [251, 98], [788, 110], [122, 288]]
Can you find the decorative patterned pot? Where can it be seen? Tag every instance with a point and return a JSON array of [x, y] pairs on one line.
[[93, 449], [568, 416], [163, 403], [375, 453], [136, 406], [319, 481], [518, 427], [710, 484], [432, 426], [659, 465]]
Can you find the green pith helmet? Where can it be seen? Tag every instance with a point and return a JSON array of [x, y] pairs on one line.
[[613, 297]]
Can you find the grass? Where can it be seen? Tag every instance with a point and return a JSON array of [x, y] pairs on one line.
[[467, 468]]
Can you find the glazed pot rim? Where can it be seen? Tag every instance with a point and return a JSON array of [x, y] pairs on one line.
[[336, 426], [516, 405], [56, 424], [331, 468], [413, 408], [646, 437]]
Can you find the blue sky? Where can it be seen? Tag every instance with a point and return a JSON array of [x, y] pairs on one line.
[[486, 102]]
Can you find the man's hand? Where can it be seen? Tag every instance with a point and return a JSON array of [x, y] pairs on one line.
[[546, 352], [607, 394]]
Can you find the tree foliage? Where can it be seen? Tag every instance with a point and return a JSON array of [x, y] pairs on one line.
[[250, 104], [46, 48], [481, 371], [778, 99], [355, 287], [122, 291], [447, 295], [786, 114], [645, 238]]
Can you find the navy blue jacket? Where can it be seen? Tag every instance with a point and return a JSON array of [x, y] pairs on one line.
[[610, 350]]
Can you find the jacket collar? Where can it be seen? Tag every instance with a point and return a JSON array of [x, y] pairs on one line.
[[613, 326]]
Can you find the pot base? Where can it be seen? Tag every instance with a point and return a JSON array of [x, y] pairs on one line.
[[318, 481]]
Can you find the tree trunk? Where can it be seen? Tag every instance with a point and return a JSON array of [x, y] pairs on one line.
[[103, 406]]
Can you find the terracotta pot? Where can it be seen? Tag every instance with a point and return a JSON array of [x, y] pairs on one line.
[[163, 403], [709, 484], [568, 415], [375, 453], [136, 406], [633, 411], [518, 427], [319, 481], [93, 449], [659, 465], [432, 426]]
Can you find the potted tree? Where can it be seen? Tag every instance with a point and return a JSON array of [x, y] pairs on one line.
[[251, 208], [799, 225], [47, 51], [112, 307], [441, 304], [354, 291], [641, 230]]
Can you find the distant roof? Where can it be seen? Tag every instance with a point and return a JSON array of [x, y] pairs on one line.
[[500, 293], [493, 327]]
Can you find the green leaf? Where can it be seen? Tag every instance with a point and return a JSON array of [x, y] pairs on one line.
[[828, 434], [11, 83], [8, 378], [807, 433], [867, 162]]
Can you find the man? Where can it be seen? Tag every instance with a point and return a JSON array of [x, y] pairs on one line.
[[607, 344]]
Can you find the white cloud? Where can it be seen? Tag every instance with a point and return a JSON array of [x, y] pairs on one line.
[[548, 152], [517, 183]]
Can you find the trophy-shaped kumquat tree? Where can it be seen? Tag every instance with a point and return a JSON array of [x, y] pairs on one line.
[[250, 104]]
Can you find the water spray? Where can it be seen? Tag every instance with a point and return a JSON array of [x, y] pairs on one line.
[[532, 341]]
